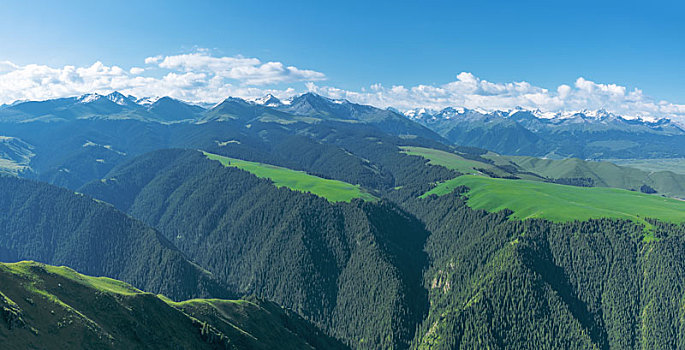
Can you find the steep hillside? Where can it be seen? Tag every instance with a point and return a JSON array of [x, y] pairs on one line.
[[502, 284], [48, 307], [352, 268], [15, 155], [52, 225]]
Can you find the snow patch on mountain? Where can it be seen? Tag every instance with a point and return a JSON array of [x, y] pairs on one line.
[[590, 116], [88, 98], [120, 98], [269, 101], [147, 101]]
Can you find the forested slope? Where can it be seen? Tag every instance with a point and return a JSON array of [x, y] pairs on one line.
[[53, 225], [353, 268], [534, 284]]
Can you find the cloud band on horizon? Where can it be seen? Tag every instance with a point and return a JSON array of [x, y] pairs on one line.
[[201, 77]]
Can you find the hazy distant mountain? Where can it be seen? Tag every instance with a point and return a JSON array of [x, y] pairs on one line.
[[169, 109], [97, 106], [317, 106], [584, 134]]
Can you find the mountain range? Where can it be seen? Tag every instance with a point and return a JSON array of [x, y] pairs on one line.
[[584, 134], [330, 224]]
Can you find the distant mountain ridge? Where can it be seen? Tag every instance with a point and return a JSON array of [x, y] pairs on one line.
[[308, 107], [96, 106], [583, 134], [600, 116]]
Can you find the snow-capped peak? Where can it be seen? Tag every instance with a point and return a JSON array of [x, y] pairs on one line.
[[269, 101], [568, 116], [88, 98], [146, 101], [419, 113], [119, 98]]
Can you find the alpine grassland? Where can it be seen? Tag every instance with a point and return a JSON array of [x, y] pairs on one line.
[[333, 190], [560, 203]]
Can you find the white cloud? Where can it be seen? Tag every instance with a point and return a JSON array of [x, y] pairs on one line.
[[7, 66], [195, 77], [154, 60], [251, 71], [201, 77], [472, 92]]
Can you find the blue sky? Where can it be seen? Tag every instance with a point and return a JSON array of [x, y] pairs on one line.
[[360, 43]]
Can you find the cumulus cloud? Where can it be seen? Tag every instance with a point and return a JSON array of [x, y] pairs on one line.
[[201, 77], [195, 77], [472, 92], [251, 71]]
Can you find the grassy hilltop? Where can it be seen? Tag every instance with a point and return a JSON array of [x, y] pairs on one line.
[[333, 190]]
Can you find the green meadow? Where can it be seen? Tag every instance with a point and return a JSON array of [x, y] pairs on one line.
[[559, 203], [452, 161], [333, 190], [445, 159], [103, 284], [531, 199]]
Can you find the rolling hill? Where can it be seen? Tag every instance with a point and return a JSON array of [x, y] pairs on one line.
[[49, 307], [370, 260], [564, 171]]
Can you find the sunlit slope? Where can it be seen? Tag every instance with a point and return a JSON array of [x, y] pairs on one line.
[[453, 161], [529, 199], [601, 174], [48, 307], [604, 174], [333, 190]]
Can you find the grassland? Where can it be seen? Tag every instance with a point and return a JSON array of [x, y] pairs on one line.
[[676, 165], [333, 190], [530, 199], [48, 307], [103, 284], [452, 161]]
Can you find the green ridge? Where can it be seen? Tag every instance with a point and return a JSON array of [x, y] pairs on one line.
[[559, 203], [445, 159], [48, 307], [451, 161], [333, 190]]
